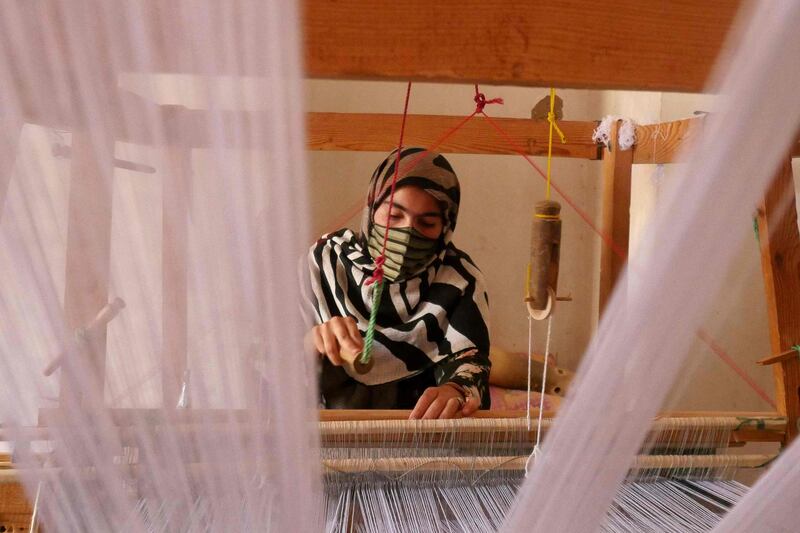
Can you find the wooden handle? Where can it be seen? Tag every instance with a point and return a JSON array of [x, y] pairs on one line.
[[353, 365]]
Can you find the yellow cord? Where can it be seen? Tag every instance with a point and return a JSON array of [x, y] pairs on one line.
[[551, 118]]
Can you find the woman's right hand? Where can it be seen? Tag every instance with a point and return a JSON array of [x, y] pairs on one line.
[[337, 336]]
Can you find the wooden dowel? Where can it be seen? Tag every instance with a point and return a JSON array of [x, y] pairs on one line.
[[137, 416], [88, 255], [640, 462], [105, 315], [742, 428], [401, 465], [9, 142], [62, 151], [788, 355], [175, 208]]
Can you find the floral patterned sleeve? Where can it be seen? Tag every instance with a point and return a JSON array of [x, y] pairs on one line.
[[470, 371]]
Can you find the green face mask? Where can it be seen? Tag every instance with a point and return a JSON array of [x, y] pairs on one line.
[[407, 250]]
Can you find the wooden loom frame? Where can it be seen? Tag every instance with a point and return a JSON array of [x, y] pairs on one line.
[[535, 51]]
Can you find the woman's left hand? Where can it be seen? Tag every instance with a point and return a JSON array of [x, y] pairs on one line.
[[444, 401]]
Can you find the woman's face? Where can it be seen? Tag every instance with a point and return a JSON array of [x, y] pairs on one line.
[[413, 208]]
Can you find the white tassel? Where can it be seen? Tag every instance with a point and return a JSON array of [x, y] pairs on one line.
[[626, 137]]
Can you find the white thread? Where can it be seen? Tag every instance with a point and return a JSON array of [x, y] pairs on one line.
[[530, 354], [537, 450], [626, 135], [544, 380]]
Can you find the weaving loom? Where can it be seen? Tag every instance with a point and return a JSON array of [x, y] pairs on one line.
[[248, 456], [462, 474], [468, 473]]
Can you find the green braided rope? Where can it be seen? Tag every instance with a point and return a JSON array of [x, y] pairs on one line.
[[755, 229], [369, 337]]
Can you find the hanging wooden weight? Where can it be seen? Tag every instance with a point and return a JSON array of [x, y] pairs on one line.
[[353, 365], [545, 250]]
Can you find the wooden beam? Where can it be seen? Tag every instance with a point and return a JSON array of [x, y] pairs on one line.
[[662, 143], [627, 44], [668, 45], [193, 128], [378, 133], [616, 219], [10, 132], [174, 261], [780, 259], [136, 121], [89, 242]]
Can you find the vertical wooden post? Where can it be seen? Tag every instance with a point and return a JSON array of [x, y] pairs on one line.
[[175, 202], [89, 241], [616, 213], [780, 260], [10, 132]]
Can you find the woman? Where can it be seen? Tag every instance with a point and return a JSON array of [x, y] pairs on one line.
[[431, 348]]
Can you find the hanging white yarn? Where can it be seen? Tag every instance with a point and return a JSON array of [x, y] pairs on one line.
[[626, 137]]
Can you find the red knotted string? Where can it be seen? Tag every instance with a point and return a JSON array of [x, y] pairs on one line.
[[377, 276], [481, 101], [381, 259]]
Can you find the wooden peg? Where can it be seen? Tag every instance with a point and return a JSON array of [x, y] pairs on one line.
[[103, 317], [62, 151], [779, 358]]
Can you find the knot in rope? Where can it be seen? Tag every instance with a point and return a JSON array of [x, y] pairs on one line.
[[481, 101], [378, 274], [551, 118]]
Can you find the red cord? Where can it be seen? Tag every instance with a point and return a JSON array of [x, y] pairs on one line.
[[378, 274], [481, 101], [717, 349]]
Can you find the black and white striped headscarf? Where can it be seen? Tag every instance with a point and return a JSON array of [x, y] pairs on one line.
[[436, 316]]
